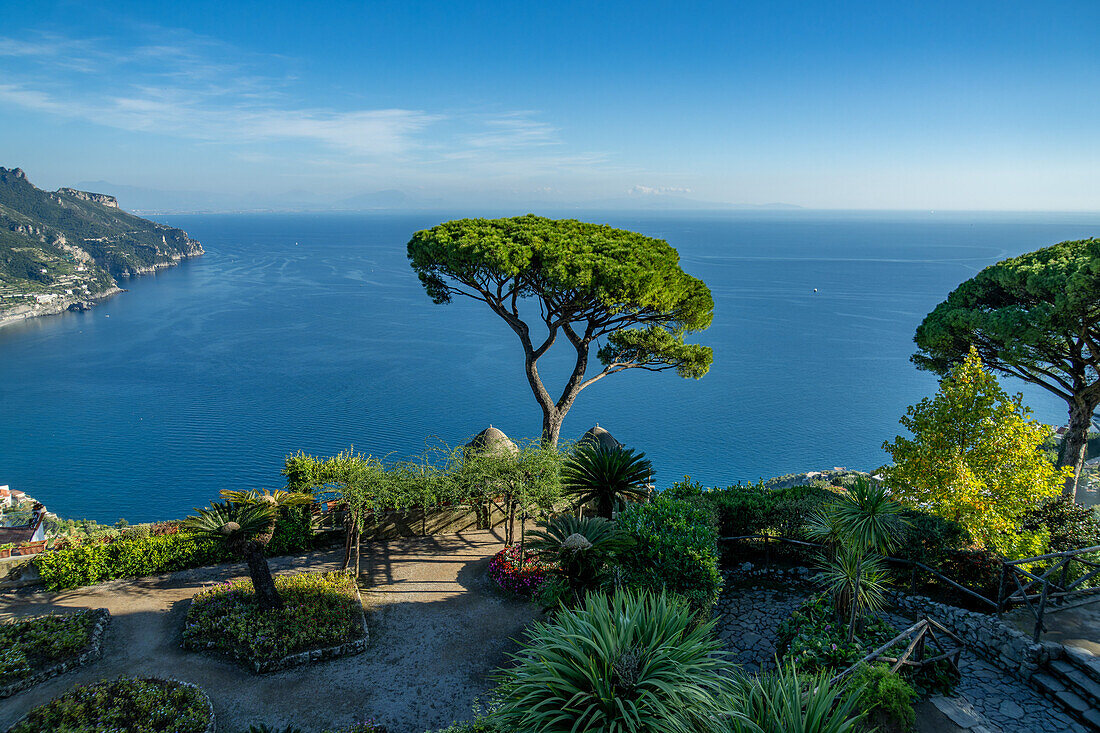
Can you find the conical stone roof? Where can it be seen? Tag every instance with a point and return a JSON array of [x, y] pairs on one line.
[[600, 437], [492, 440]]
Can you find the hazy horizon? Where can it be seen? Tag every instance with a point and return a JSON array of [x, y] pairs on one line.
[[641, 106]]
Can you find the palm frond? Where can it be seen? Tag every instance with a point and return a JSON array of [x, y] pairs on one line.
[[231, 523], [278, 498], [606, 477]]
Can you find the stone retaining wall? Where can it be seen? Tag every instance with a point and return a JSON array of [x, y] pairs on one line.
[[90, 653], [1002, 645]]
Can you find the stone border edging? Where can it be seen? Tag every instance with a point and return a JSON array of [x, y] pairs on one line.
[[310, 656], [92, 651]]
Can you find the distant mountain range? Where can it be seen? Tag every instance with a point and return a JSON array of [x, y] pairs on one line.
[[62, 249], [148, 200]]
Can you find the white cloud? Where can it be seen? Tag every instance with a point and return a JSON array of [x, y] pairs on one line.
[[200, 89], [656, 190]]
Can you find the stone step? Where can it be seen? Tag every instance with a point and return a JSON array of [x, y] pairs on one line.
[[1084, 661], [1076, 680], [1057, 689]]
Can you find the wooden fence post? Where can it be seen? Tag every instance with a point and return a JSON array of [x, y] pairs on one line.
[[1042, 609]]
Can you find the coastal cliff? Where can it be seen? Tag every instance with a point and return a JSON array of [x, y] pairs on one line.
[[67, 249]]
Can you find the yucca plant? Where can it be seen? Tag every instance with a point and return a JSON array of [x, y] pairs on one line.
[[856, 581], [605, 477], [578, 548], [628, 663], [857, 529], [246, 523], [789, 702]]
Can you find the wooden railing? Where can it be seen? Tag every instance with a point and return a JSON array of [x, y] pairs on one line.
[[895, 560], [1042, 594], [921, 635]]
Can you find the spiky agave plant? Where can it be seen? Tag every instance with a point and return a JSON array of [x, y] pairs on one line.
[[789, 702], [605, 477], [579, 548], [625, 663], [245, 529]]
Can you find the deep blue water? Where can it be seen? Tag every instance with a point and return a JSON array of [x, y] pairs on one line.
[[311, 332]]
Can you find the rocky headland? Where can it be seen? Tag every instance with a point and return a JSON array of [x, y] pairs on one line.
[[68, 249]]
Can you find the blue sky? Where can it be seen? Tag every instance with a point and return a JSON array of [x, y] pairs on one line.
[[906, 105]]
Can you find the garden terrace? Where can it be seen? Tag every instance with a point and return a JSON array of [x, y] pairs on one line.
[[437, 630]]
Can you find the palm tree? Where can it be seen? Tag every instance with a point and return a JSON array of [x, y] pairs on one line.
[[858, 529], [606, 477], [579, 547], [246, 523]]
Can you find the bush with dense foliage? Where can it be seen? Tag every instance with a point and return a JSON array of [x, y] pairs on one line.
[[605, 478], [675, 548], [887, 698], [517, 570], [320, 609], [125, 705], [133, 555], [628, 662], [30, 645], [1071, 526], [975, 457], [750, 509]]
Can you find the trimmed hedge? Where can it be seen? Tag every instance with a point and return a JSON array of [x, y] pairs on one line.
[[135, 555], [675, 548]]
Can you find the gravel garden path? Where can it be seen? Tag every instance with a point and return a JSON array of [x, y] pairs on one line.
[[986, 699], [437, 630]]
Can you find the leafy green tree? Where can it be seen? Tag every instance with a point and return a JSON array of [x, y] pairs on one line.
[[525, 483], [590, 282], [606, 477], [975, 457], [1036, 317]]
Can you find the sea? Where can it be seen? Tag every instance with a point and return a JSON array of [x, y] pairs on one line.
[[310, 332]]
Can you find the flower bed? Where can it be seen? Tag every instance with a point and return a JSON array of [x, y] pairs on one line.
[[125, 705], [322, 618], [517, 572], [33, 650]]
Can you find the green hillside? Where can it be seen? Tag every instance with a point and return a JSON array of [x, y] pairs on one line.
[[64, 246]]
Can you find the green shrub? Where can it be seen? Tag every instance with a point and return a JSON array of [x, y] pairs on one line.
[[30, 645], [749, 509], [887, 696], [929, 539], [629, 662], [675, 548], [1071, 526], [578, 550], [790, 701], [125, 705], [133, 555], [814, 640], [320, 609]]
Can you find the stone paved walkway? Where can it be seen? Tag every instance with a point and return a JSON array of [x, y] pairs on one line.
[[437, 630], [748, 617]]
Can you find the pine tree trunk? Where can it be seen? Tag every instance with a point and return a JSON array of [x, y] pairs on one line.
[[1076, 443], [266, 594]]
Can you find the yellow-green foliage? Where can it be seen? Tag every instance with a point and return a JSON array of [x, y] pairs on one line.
[[975, 457]]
